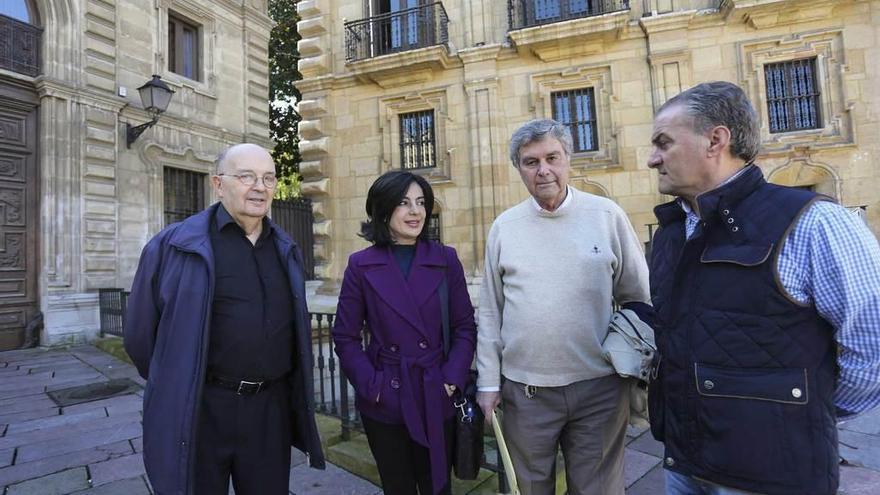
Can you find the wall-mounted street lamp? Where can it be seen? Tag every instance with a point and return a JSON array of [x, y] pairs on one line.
[[155, 95]]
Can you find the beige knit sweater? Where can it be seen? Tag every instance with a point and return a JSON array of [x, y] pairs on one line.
[[545, 300]]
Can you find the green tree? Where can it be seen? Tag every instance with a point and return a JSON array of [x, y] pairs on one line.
[[284, 97]]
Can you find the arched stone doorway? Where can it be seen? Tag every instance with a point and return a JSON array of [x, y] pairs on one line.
[[801, 172], [20, 37]]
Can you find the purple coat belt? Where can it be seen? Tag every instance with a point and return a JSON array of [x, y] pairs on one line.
[[424, 422]]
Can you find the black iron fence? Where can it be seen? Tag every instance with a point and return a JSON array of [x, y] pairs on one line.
[[111, 306], [399, 31], [296, 218], [529, 13], [19, 46]]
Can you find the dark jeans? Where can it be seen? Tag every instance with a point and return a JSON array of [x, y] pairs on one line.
[[246, 437], [404, 465]]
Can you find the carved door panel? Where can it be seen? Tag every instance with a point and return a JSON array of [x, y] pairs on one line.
[[19, 216]]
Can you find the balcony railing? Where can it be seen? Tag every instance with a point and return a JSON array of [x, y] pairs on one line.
[[529, 13], [394, 32], [19, 46]]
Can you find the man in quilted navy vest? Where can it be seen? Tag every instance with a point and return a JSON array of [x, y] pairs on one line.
[[768, 310]]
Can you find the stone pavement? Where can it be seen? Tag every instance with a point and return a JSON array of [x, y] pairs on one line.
[[95, 447]]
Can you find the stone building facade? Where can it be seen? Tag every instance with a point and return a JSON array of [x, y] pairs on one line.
[[440, 86], [78, 204]]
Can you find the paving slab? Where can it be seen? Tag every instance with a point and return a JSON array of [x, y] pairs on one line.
[[637, 465], [858, 481], [87, 427], [6, 457], [120, 468], [331, 481], [27, 470], [61, 483], [137, 444], [859, 449], [6, 419], [119, 403], [53, 421], [131, 486], [63, 446], [646, 444], [868, 423], [21, 403], [652, 483]]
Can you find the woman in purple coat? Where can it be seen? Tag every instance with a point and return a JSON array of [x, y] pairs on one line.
[[403, 378]]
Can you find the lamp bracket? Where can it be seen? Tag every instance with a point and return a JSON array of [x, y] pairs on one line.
[[134, 132]]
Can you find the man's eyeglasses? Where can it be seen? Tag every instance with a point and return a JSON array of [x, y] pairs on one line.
[[249, 179]]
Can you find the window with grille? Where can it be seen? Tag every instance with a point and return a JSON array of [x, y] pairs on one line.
[[184, 194], [433, 227], [792, 95], [183, 47], [577, 110], [417, 140]]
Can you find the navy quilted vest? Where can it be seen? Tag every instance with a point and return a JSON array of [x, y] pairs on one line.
[[747, 374]]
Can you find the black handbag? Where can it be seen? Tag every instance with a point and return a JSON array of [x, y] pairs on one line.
[[467, 450]]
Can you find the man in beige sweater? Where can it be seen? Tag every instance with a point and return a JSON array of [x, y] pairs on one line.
[[554, 265]]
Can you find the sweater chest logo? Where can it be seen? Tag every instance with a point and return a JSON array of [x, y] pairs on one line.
[[595, 249]]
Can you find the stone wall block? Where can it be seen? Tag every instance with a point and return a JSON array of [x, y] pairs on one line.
[[308, 8], [311, 27], [309, 47], [311, 129], [311, 169], [314, 66], [322, 229], [315, 188], [314, 148], [313, 108]]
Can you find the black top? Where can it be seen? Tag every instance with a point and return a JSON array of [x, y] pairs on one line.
[[404, 254], [252, 315]]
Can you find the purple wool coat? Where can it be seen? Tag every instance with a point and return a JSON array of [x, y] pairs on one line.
[[399, 377]]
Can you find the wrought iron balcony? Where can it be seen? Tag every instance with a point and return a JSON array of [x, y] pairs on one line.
[[529, 13], [400, 31], [19, 46]]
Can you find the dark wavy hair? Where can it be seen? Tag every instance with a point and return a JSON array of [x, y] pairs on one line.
[[384, 196]]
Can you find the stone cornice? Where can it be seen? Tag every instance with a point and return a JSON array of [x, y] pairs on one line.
[[60, 89], [545, 40], [480, 53], [762, 14]]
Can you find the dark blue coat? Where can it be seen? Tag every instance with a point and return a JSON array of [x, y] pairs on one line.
[[744, 395], [166, 335]]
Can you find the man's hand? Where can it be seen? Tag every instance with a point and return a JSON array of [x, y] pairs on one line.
[[488, 401]]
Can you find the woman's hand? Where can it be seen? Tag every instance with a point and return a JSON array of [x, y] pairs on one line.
[[450, 389]]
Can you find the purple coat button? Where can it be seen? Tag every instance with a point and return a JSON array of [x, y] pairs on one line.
[[395, 383]]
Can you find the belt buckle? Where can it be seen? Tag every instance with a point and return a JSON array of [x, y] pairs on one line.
[[244, 386]]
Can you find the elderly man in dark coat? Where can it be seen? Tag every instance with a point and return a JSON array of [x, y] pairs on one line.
[[217, 324]]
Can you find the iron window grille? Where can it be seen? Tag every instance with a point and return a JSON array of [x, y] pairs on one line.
[[417, 140], [577, 110], [184, 194], [792, 95], [418, 26], [529, 13], [19, 46], [183, 47], [433, 228]]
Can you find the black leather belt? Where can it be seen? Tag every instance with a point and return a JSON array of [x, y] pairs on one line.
[[242, 387]]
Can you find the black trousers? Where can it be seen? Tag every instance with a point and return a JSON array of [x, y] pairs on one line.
[[246, 437], [404, 465]]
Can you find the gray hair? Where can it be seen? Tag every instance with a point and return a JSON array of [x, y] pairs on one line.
[[218, 162], [722, 103], [536, 130]]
